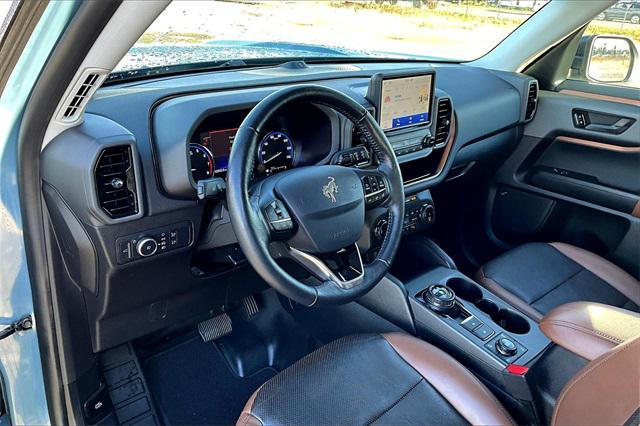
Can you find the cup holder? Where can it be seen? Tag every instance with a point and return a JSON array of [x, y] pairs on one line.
[[465, 290], [505, 318], [511, 321]]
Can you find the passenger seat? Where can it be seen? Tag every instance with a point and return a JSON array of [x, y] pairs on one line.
[[537, 277]]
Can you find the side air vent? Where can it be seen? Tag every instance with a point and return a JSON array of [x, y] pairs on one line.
[[532, 100], [443, 121], [115, 182], [85, 87]]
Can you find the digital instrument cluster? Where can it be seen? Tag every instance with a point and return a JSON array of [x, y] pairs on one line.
[[210, 154]]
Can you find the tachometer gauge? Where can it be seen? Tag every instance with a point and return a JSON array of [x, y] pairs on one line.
[[201, 162], [275, 152]]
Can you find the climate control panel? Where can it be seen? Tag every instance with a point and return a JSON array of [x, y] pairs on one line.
[[419, 213], [152, 242]]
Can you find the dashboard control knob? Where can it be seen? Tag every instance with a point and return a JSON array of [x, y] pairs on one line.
[[506, 347], [440, 298], [428, 142], [147, 247], [427, 214]]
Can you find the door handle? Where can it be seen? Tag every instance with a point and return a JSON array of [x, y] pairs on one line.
[[600, 122]]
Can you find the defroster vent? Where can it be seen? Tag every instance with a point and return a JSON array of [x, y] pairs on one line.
[[443, 121], [115, 182], [80, 97]]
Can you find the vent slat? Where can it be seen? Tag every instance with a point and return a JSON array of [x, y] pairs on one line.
[[79, 99], [443, 121], [115, 182], [532, 100]]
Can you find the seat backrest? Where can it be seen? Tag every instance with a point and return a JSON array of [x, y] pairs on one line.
[[605, 391]]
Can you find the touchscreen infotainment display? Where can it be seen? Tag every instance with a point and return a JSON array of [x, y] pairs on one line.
[[405, 101]]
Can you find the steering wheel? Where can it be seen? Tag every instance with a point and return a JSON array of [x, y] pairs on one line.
[[314, 215]]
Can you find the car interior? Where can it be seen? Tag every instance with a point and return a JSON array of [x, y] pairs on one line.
[[344, 242]]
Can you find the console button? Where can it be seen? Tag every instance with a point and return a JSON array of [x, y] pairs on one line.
[[471, 323], [125, 253], [506, 347], [483, 332]]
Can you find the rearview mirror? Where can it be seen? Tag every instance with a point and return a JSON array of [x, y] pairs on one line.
[[611, 59]]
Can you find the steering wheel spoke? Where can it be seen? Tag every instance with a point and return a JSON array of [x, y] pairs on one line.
[[280, 223], [344, 267], [375, 186]]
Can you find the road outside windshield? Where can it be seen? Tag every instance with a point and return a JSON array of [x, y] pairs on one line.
[[201, 31]]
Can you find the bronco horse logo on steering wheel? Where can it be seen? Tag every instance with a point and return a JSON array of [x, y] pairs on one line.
[[330, 189]]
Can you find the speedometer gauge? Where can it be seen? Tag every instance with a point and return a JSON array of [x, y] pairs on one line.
[[201, 162], [275, 152]]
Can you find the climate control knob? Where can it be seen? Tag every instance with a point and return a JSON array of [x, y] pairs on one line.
[[146, 247]]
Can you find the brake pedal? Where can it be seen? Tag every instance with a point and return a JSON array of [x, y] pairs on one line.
[[250, 307], [215, 327]]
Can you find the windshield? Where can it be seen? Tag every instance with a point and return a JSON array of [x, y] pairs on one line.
[[198, 32]]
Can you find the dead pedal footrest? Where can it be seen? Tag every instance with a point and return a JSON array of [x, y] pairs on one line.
[[127, 387]]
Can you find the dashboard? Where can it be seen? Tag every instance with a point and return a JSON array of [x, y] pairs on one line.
[[142, 248]]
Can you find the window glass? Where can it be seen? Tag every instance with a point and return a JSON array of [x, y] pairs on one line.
[[204, 31], [7, 8]]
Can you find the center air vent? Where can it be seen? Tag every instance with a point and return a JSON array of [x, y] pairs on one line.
[[115, 182], [443, 121], [532, 100]]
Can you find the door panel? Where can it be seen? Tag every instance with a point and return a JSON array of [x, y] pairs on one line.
[[572, 183]]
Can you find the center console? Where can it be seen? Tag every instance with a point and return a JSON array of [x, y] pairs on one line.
[[452, 308], [477, 327]]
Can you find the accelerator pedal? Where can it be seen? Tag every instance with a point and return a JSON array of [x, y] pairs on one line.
[[251, 308], [215, 327]]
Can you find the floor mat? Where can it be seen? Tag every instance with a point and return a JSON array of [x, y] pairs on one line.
[[193, 384]]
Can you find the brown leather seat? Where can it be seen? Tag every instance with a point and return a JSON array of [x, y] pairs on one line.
[[398, 379], [384, 379], [607, 390], [537, 277]]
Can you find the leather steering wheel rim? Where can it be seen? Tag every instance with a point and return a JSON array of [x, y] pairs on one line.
[[247, 218]]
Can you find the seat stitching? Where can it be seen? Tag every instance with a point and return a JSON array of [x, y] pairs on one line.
[[577, 327], [559, 285], [473, 378], [386, 410], [497, 288]]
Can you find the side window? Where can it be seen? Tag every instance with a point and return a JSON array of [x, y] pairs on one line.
[[608, 50], [7, 8]]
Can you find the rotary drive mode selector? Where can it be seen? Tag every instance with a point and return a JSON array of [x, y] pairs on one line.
[[506, 347], [440, 298]]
